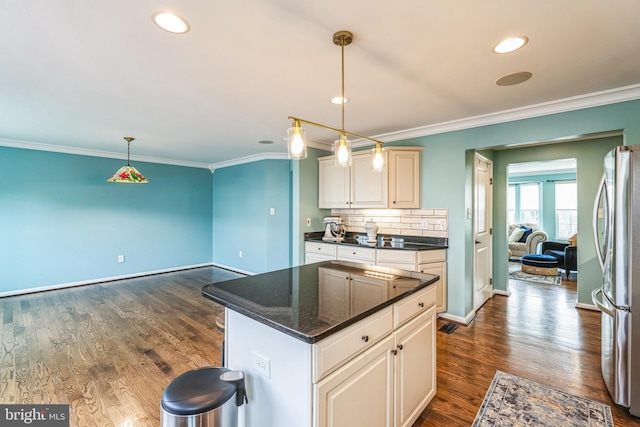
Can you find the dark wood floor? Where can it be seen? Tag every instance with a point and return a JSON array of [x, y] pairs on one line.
[[110, 349]]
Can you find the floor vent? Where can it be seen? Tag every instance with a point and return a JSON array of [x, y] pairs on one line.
[[449, 328]]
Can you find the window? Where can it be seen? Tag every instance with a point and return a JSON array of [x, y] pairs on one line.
[[523, 203], [566, 209]]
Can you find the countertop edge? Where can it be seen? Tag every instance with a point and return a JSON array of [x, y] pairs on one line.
[[312, 339]]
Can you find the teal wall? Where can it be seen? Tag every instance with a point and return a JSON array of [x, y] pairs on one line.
[[445, 180], [589, 155], [61, 222], [242, 198], [305, 202], [547, 201]]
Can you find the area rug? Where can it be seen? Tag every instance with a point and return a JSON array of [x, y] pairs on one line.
[[515, 272], [515, 401]]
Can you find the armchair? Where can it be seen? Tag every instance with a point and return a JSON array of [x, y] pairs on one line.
[[567, 255], [530, 245]]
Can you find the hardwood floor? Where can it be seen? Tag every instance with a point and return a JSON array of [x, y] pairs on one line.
[[535, 333], [110, 349]]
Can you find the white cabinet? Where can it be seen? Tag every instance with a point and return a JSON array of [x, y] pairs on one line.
[[334, 185], [317, 252], [356, 253], [390, 383], [404, 179], [359, 186], [432, 262]]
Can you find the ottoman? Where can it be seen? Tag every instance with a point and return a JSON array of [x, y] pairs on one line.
[[544, 265]]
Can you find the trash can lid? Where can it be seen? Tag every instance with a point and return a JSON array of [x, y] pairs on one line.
[[197, 391]]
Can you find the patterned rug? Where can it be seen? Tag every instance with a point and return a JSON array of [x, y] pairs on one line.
[[515, 272], [515, 401]]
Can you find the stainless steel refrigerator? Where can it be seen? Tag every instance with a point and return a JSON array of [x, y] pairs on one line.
[[616, 224]]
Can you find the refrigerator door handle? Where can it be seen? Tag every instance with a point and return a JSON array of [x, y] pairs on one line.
[[596, 208], [599, 304]]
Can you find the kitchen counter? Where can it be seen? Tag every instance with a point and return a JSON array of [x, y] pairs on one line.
[[411, 243], [290, 301], [318, 340]]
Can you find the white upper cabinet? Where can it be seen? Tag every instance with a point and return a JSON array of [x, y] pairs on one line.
[[359, 186]]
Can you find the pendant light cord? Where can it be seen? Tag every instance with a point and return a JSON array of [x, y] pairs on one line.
[[343, 98], [128, 152]]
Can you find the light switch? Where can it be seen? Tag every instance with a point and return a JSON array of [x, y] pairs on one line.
[[272, 211]]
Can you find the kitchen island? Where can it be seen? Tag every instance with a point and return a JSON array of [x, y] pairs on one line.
[[333, 343]]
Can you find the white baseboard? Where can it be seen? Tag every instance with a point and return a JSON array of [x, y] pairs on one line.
[[458, 319], [237, 270], [501, 292], [101, 280], [587, 306]]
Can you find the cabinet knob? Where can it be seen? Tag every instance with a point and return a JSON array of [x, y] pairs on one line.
[[394, 351], [354, 253], [365, 338], [421, 304], [399, 346], [394, 202]]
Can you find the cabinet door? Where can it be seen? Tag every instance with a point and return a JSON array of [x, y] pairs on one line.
[[310, 258], [415, 367], [367, 292], [333, 295], [369, 189], [404, 179], [439, 268], [360, 394], [333, 185]]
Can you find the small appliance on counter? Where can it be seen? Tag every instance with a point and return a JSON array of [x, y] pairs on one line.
[[334, 229], [372, 231]]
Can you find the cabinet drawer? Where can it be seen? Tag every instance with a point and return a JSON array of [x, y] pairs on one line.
[[320, 248], [413, 305], [357, 254], [334, 351], [432, 256], [390, 256]]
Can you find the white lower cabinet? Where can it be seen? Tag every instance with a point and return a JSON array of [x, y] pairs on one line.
[[388, 384]]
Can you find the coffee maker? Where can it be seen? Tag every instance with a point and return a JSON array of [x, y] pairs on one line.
[[334, 229]]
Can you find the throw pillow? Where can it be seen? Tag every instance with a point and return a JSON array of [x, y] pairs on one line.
[[527, 232], [573, 240], [515, 235]]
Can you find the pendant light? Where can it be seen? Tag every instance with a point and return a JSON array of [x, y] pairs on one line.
[[128, 174], [296, 138]]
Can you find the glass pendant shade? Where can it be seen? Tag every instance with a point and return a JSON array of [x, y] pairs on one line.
[[296, 142], [128, 174], [342, 152], [377, 158]]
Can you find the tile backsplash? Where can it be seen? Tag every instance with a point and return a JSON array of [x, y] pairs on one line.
[[402, 222]]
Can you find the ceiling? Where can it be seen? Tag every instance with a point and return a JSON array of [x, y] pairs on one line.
[[80, 75]]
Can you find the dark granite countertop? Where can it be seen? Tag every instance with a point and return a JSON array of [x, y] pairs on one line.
[[411, 243], [293, 302]]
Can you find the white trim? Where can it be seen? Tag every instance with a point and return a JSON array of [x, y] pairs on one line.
[[237, 270], [97, 153], [595, 99], [587, 306], [249, 159], [102, 280], [506, 293], [458, 319]]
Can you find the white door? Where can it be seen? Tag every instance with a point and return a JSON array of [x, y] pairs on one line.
[[482, 230]]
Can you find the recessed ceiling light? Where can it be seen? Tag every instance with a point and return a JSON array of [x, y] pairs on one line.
[[514, 79], [339, 100], [510, 44], [171, 22]]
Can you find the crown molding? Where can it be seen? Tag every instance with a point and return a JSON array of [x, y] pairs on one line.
[[249, 159], [97, 153], [595, 99]]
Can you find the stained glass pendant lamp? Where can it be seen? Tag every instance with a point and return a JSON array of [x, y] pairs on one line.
[[128, 174]]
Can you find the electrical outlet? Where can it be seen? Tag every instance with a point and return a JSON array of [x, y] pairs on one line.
[[262, 364], [272, 211], [120, 258], [240, 254], [308, 222], [424, 224]]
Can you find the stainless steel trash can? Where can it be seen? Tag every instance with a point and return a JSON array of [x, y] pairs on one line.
[[202, 398]]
